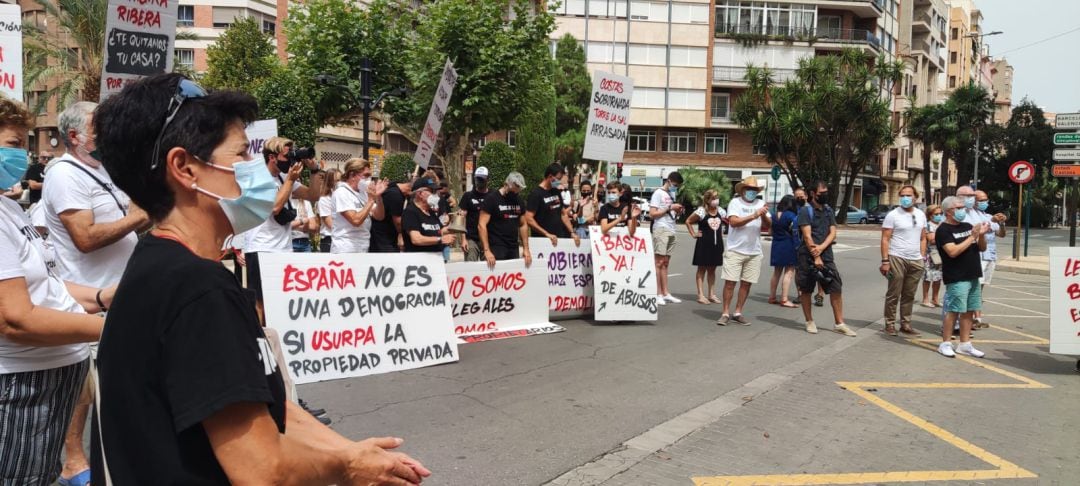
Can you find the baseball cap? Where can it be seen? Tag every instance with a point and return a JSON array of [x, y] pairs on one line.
[[423, 183], [481, 172], [516, 179]]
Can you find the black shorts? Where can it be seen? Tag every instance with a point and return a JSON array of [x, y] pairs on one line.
[[805, 281], [254, 278], [504, 253]]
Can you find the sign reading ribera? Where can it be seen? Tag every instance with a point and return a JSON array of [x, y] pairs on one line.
[[359, 314], [139, 36], [622, 266], [609, 117]]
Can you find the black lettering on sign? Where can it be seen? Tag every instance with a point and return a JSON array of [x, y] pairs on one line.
[[137, 53], [10, 26]]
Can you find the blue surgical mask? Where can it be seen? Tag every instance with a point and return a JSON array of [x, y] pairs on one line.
[[969, 202], [555, 183], [255, 203], [611, 198], [938, 218], [673, 191], [13, 164], [959, 215], [750, 195], [982, 205], [907, 201]]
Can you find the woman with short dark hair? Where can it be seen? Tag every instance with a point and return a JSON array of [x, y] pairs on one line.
[[189, 390]]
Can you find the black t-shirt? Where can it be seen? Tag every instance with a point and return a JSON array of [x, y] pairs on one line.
[[823, 219], [36, 173], [413, 219], [547, 206], [181, 342], [383, 232], [505, 219], [966, 266], [472, 202], [444, 205], [609, 213]]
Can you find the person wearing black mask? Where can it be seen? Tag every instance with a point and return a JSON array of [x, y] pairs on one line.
[[545, 212], [472, 203], [817, 229], [386, 218], [501, 224]]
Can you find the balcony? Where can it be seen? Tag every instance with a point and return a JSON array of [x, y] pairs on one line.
[[736, 75], [751, 35], [849, 36], [925, 49], [862, 8], [922, 22]]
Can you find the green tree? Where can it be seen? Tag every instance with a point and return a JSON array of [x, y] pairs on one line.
[[934, 126], [696, 181], [536, 124], [972, 106], [500, 161], [284, 96], [828, 122], [242, 58], [397, 167], [572, 89]]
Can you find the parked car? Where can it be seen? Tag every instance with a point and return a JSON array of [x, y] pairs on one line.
[[877, 214], [854, 215]]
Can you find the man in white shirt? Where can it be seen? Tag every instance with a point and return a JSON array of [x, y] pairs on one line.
[[663, 210], [747, 217], [903, 252], [989, 257], [92, 225]]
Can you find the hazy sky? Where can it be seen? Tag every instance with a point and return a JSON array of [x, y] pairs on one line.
[[1048, 72]]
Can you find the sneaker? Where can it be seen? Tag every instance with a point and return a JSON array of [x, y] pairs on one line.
[[660, 300], [738, 318], [946, 350], [968, 349], [723, 320], [811, 327], [843, 329], [323, 419], [672, 299], [314, 411]]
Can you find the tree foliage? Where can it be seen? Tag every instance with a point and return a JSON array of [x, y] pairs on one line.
[[572, 88], [696, 181], [935, 127], [500, 161], [72, 74], [971, 106], [397, 167], [285, 96], [537, 121], [242, 58]]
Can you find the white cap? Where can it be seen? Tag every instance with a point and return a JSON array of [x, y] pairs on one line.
[[481, 172]]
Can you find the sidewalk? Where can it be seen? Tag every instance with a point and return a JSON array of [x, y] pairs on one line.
[[1032, 265]]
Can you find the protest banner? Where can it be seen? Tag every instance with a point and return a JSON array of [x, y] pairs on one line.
[[258, 133], [569, 276], [609, 117], [496, 303], [347, 315], [622, 269], [1065, 300], [11, 52], [430, 136], [139, 38]]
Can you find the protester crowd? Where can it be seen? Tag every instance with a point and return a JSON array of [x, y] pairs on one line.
[[156, 186]]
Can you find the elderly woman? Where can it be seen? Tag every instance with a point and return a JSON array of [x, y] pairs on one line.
[[189, 391], [44, 326]]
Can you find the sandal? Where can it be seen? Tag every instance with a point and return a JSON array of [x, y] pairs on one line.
[[772, 300], [714, 299], [788, 305], [702, 300], [908, 331], [81, 479]]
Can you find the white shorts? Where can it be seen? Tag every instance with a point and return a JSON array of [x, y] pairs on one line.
[[737, 266], [988, 267]]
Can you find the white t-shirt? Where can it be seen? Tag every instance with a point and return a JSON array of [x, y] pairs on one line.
[[303, 214], [66, 188], [349, 238], [661, 199], [745, 239], [326, 209], [271, 237], [907, 234], [24, 253]]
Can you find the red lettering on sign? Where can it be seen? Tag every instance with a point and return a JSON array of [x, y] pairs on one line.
[[1072, 267], [1075, 314], [317, 278], [139, 17], [507, 282], [1074, 291], [477, 327], [331, 340], [624, 242], [611, 85]]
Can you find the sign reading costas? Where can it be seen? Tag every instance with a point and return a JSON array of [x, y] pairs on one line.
[[609, 117], [139, 39]]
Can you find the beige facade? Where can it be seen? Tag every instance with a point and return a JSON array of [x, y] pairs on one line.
[[1002, 73]]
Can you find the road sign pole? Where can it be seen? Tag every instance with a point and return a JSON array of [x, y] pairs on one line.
[[1019, 220], [1027, 225], [1072, 212]]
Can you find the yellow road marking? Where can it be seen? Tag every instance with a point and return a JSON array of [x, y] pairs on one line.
[[1018, 333], [988, 301], [1005, 469]]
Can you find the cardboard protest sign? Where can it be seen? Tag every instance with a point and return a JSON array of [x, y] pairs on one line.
[[11, 52], [1065, 300], [569, 276], [623, 269], [488, 303], [258, 133], [609, 117], [430, 136], [139, 38], [347, 315]]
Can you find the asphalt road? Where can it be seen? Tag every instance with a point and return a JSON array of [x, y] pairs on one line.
[[525, 410]]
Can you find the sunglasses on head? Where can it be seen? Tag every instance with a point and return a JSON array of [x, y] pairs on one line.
[[186, 89]]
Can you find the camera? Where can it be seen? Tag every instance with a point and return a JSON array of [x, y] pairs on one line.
[[822, 275], [302, 153]]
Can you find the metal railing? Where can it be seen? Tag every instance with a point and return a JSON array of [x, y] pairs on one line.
[[738, 74], [799, 33]]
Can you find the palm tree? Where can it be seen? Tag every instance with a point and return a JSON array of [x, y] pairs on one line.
[[972, 106], [935, 127]]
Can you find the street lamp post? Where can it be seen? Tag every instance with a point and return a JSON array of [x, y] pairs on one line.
[[365, 101], [978, 52]]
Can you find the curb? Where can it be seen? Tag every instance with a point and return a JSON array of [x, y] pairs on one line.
[[1044, 272]]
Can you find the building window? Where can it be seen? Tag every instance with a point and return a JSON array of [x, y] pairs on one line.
[[686, 99], [647, 98], [185, 57], [481, 142], [952, 58], [716, 143], [269, 27], [685, 13], [647, 54], [955, 33], [758, 150], [681, 142], [952, 81], [511, 138], [721, 106], [224, 16], [185, 16], [688, 56], [735, 16], [654, 11], [641, 141], [32, 101], [606, 52]]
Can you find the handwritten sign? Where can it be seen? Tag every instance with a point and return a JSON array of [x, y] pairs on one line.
[[347, 315], [488, 303], [609, 117], [1065, 300], [11, 52], [623, 269], [430, 135], [258, 133], [139, 38], [569, 276]]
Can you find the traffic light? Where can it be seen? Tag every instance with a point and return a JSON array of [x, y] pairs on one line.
[[618, 170]]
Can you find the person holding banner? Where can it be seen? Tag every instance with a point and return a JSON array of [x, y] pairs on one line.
[[326, 210], [545, 211], [501, 225], [420, 225], [353, 207], [472, 203], [663, 210], [705, 225], [618, 210], [189, 390]]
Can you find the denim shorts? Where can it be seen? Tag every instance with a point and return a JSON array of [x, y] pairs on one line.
[[963, 296]]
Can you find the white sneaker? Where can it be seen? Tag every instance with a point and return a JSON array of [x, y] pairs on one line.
[[946, 350], [660, 300], [968, 349], [672, 299]]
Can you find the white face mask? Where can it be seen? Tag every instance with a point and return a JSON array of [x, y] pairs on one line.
[[433, 201], [714, 203]]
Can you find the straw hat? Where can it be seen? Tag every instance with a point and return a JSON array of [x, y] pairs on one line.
[[749, 182]]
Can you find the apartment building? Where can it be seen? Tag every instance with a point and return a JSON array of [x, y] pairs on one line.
[[688, 58], [1002, 78]]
